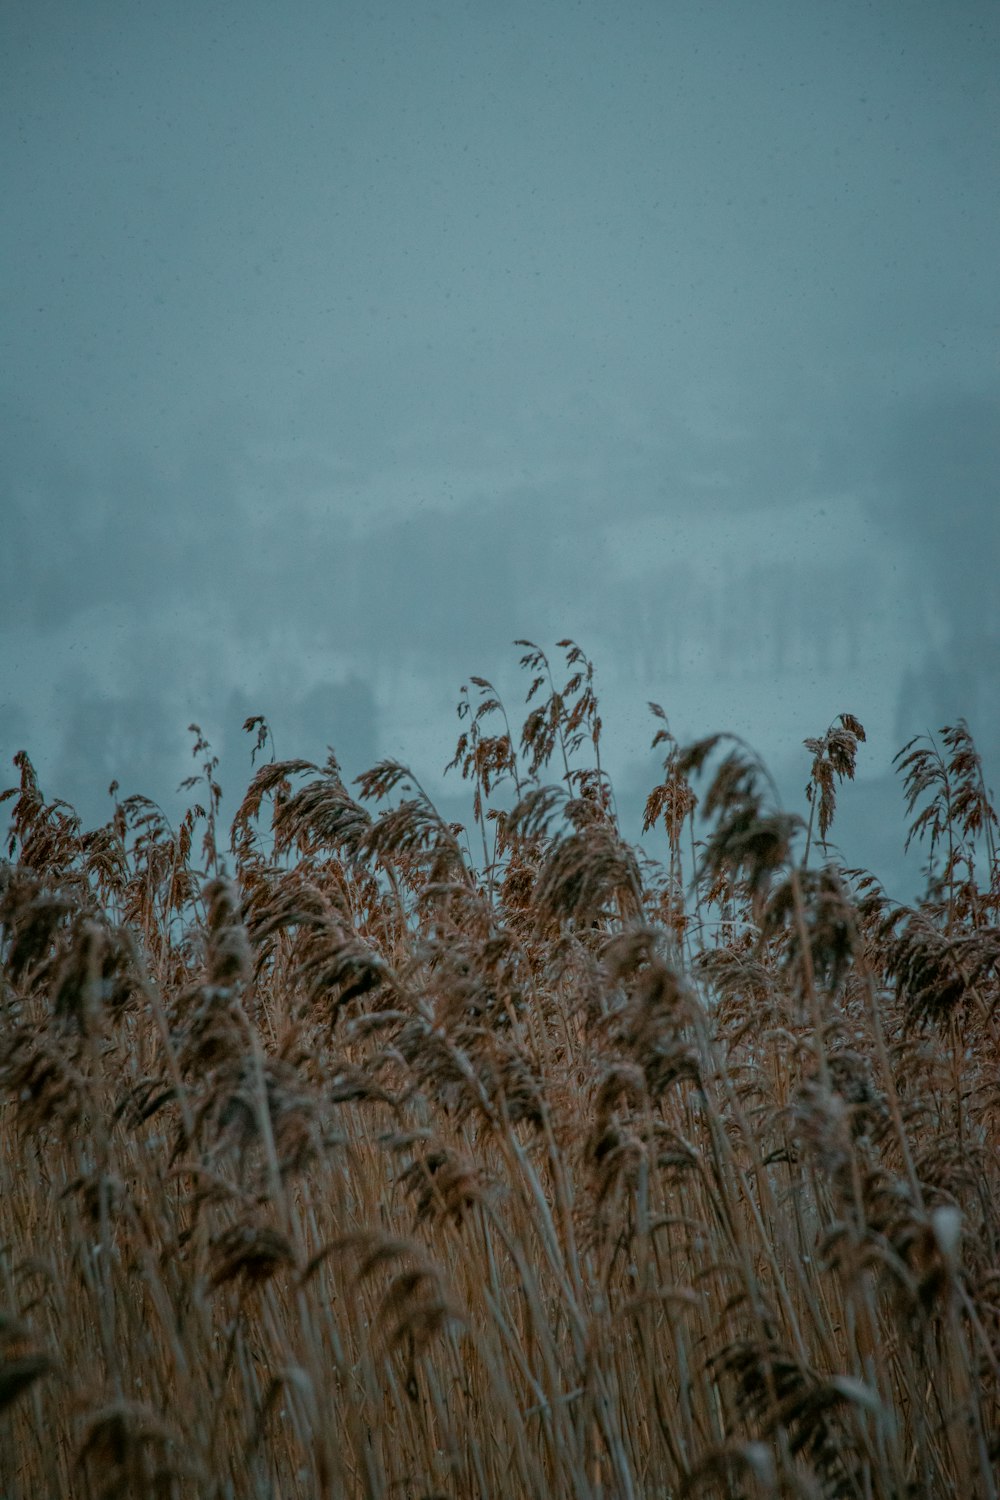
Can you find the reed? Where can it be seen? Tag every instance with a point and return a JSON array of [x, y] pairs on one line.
[[345, 1162]]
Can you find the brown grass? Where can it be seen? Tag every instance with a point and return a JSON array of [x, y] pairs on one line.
[[374, 1169]]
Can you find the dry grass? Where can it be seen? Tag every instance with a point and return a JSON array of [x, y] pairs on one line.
[[374, 1169]]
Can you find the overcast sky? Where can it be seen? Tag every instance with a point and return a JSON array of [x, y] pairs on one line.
[[344, 343]]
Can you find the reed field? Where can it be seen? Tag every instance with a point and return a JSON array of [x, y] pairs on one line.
[[354, 1152]]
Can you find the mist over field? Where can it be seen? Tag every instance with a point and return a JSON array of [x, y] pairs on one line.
[[583, 1123], [345, 348]]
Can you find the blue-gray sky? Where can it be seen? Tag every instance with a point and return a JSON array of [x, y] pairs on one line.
[[344, 343]]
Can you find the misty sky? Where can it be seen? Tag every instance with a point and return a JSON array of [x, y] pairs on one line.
[[344, 343]]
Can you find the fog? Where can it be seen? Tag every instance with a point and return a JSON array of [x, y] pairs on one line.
[[346, 345]]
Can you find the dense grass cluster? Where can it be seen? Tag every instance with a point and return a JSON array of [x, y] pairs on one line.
[[371, 1156]]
